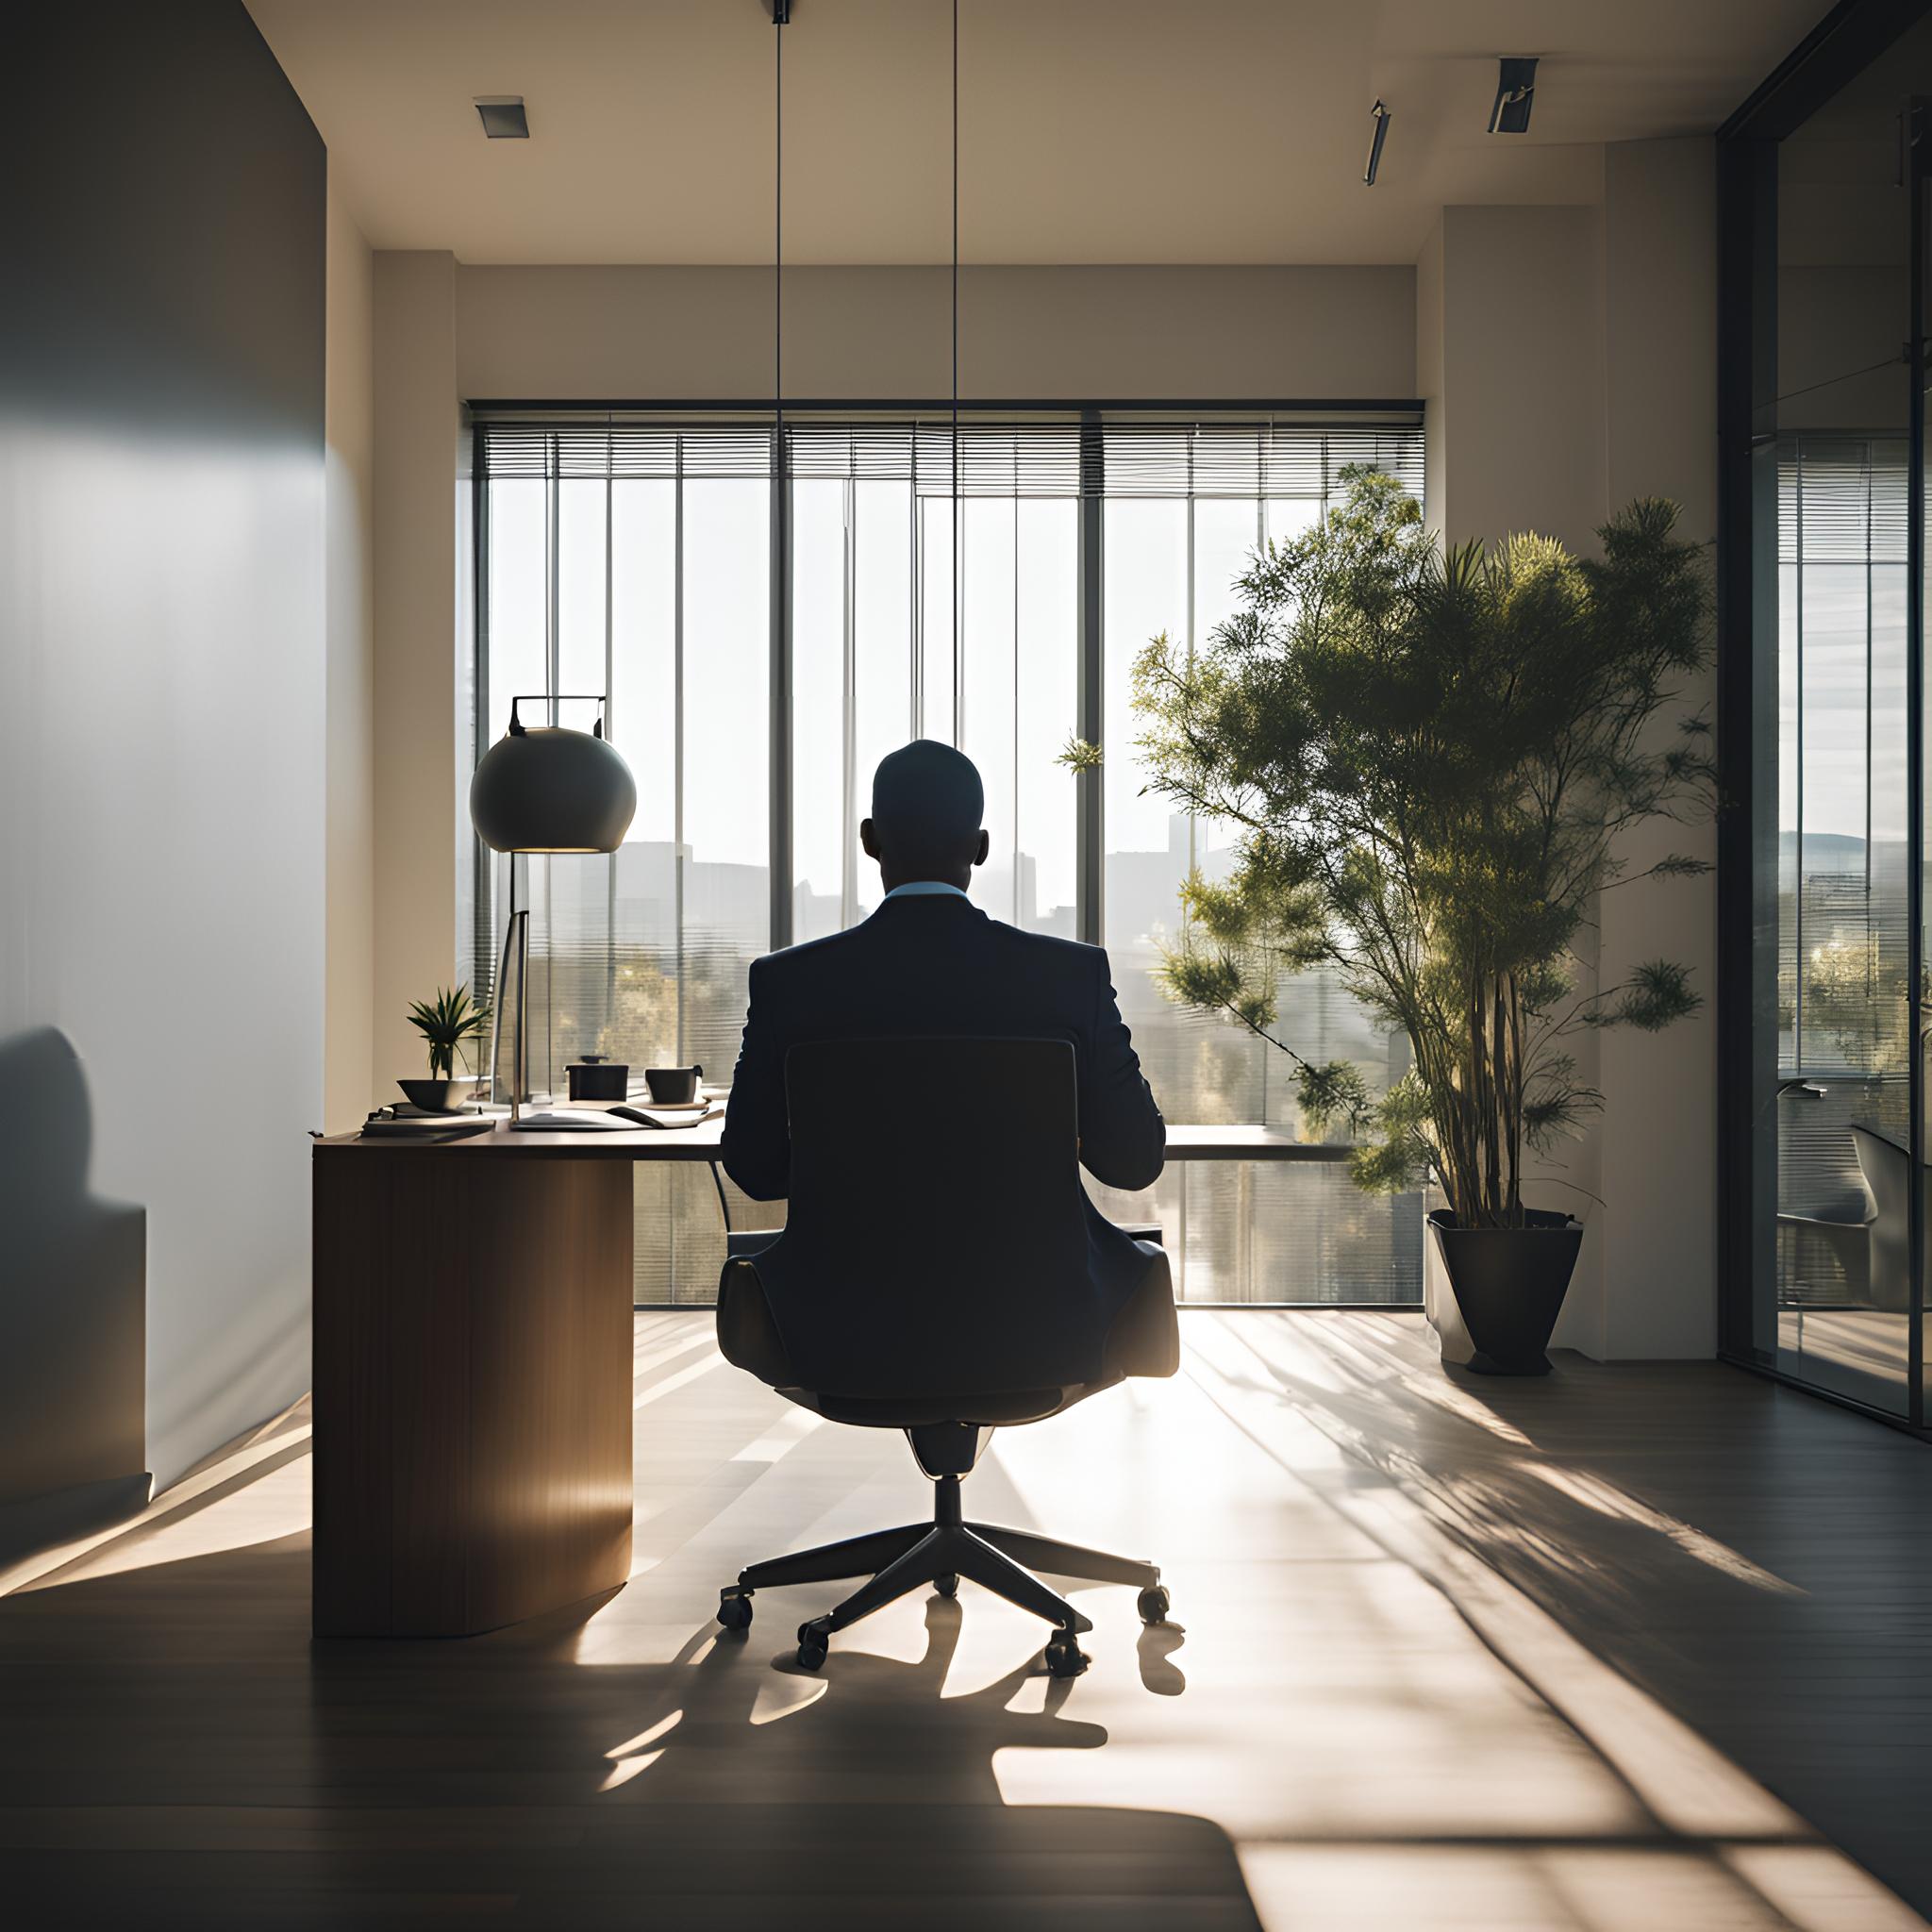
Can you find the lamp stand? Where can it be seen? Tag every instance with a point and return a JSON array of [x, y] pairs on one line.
[[516, 939]]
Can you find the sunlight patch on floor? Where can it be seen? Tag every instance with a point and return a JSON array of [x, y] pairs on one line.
[[254, 1492]]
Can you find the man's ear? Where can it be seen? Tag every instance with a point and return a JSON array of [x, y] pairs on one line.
[[985, 847], [868, 838]]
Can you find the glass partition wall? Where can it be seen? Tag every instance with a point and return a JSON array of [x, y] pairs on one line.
[[635, 555], [1824, 206]]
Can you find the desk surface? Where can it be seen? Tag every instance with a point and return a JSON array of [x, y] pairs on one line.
[[701, 1142]]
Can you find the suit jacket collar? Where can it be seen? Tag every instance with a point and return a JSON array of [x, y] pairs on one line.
[[924, 906]]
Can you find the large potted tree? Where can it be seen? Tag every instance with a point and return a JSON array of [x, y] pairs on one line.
[[1431, 756]]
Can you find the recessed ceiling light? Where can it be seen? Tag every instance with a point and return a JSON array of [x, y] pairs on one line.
[[503, 117], [1515, 96]]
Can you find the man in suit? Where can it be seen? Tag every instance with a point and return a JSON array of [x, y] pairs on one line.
[[929, 961]]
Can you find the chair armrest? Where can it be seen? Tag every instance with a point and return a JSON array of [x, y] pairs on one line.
[[748, 1336]]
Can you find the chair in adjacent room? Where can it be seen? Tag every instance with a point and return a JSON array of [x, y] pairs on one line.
[[934, 1275]]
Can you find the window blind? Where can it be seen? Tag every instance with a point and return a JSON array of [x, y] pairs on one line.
[[1841, 499], [1012, 457]]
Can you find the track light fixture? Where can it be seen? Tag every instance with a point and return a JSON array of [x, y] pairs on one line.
[[503, 117], [1375, 141], [1515, 95]]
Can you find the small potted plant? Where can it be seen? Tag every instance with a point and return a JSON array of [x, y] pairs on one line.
[[450, 1025], [1433, 757]]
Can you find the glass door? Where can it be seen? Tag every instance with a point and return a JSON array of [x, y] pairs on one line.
[[1850, 799], [1916, 143]]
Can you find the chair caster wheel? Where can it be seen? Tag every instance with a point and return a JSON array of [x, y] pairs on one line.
[[734, 1610], [1064, 1658], [814, 1641], [947, 1584], [1155, 1604]]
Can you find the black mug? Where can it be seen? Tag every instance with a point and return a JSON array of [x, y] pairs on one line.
[[594, 1077], [672, 1086]]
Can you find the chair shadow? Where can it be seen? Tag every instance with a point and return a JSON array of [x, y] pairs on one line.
[[73, 1313], [726, 1780]]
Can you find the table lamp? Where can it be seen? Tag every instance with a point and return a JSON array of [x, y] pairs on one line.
[[545, 788]]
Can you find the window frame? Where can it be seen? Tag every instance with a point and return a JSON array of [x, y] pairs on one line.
[[1853, 34]]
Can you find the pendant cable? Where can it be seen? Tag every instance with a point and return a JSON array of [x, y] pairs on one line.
[[781, 13], [958, 508]]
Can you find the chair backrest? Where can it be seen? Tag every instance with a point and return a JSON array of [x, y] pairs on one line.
[[1886, 1169], [934, 1239]]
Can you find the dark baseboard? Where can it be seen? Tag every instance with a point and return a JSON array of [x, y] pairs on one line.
[[37, 1523]]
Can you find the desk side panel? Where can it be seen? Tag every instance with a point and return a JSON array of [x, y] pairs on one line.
[[550, 1360], [353, 1202]]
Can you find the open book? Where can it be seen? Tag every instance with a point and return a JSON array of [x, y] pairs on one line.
[[608, 1120]]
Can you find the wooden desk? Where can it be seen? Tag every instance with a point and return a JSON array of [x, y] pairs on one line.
[[472, 1388]]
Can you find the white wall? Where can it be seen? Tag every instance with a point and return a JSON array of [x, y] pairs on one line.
[[348, 1046], [161, 652]]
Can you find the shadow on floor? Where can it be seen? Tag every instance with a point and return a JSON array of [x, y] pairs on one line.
[[181, 1754], [1753, 1559]]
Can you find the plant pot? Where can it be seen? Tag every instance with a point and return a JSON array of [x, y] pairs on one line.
[[1508, 1285], [439, 1096]]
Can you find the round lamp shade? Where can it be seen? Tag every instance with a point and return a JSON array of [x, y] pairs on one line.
[[542, 788]]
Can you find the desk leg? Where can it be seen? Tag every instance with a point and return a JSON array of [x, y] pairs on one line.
[[472, 1388]]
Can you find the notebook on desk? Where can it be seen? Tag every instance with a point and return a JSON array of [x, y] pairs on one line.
[[424, 1127]]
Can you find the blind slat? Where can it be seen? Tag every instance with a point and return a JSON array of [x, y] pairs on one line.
[[1025, 458], [1841, 499]]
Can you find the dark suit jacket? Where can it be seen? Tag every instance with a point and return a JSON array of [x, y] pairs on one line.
[[935, 965]]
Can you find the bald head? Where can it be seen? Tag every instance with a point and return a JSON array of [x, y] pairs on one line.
[[927, 804]]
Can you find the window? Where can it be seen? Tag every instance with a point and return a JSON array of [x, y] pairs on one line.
[[1844, 1020], [635, 556]]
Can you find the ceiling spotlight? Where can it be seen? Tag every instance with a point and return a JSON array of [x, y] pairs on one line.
[[1375, 141], [503, 117], [1515, 96]]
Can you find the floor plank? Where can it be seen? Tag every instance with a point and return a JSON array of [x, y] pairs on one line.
[[1380, 1707]]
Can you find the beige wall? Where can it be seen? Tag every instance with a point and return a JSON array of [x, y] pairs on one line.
[[1659, 1144], [1025, 334], [1428, 370], [1516, 361], [419, 655], [1567, 361], [350, 608]]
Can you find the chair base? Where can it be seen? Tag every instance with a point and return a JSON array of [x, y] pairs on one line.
[[919, 1554]]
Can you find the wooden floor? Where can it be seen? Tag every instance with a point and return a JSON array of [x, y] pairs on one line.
[[1625, 1649]]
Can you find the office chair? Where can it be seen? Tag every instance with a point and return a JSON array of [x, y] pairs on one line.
[[935, 1278]]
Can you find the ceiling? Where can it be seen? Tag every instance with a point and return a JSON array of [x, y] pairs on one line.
[[1090, 131]]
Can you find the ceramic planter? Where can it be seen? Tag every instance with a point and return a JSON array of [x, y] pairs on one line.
[[1508, 1285]]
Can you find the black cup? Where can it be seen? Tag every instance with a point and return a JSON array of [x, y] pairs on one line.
[[672, 1086], [594, 1077]]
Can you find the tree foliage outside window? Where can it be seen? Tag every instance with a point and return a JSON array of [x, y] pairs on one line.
[[1432, 756]]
